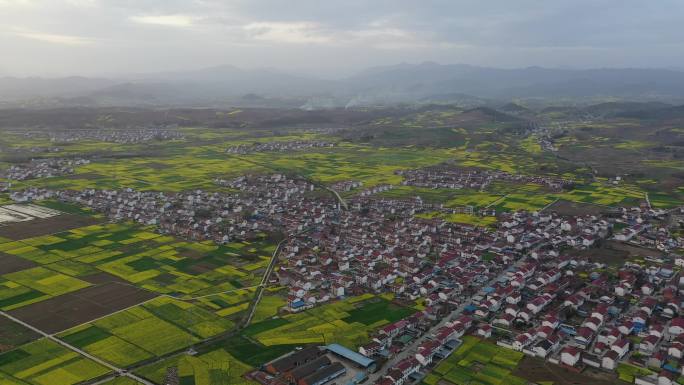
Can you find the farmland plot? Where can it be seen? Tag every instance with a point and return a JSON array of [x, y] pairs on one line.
[[159, 326], [44, 362]]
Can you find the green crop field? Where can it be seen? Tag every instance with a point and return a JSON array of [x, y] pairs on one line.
[[477, 362], [215, 367], [376, 310], [627, 372], [268, 307], [154, 328], [12, 335], [162, 264], [347, 322], [34, 285], [227, 359], [44, 362]]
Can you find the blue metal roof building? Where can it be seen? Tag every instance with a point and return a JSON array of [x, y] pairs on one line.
[[351, 355]]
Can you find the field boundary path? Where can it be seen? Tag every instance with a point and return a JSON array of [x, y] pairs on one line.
[[117, 370], [549, 205], [496, 201]]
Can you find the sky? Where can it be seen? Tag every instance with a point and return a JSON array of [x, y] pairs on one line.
[[333, 38]]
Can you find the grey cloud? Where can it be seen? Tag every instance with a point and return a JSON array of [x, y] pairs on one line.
[[335, 36]]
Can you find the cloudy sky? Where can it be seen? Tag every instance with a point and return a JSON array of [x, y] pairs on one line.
[[333, 37]]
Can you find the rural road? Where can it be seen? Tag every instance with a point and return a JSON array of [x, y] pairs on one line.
[[267, 274], [274, 258], [117, 370], [411, 350], [264, 281], [339, 198]]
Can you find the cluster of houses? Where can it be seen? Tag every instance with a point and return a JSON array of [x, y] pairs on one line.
[[42, 168], [373, 249], [572, 312], [346, 185], [381, 246], [445, 176], [282, 146], [545, 136], [122, 136], [263, 204], [563, 308], [378, 245], [376, 190], [647, 228], [440, 342], [553, 303]]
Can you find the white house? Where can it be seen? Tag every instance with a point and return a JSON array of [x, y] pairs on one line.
[[570, 356]]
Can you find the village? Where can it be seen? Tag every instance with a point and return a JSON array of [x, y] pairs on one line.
[[444, 176], [278, 146], [525, 283], [42, 168], [566, 310], [131, 135]]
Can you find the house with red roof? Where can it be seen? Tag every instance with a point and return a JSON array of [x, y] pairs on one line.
[[570, 356], [610, 360], [676, 326], [621, 347]]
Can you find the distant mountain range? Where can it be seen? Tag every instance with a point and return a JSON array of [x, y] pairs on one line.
[[424, 83]]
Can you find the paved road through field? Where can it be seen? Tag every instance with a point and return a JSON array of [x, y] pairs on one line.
[[264, 282], [117, 370]]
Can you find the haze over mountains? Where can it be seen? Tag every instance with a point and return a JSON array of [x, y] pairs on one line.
[[404, 83]]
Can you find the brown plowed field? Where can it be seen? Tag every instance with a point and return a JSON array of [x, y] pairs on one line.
[[38, 227], [72, 309], [11, 263]]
